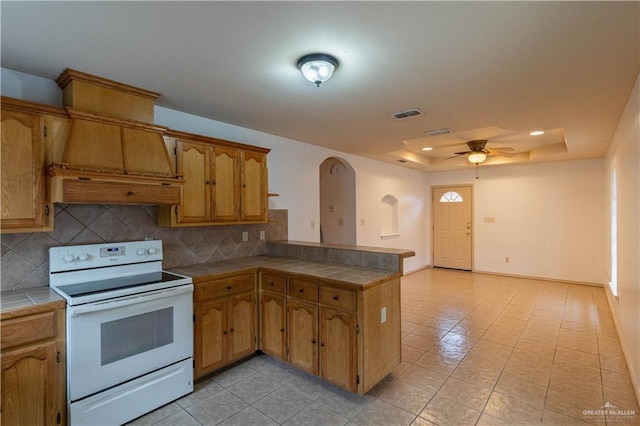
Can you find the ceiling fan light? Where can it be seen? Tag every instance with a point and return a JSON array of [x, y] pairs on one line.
[[317, 67], [477, 157]]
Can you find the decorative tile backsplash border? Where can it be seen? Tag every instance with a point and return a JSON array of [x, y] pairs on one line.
[[24, 260]]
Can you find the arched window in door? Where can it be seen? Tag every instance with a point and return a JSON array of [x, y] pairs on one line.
[[389, 228], [451, 197]]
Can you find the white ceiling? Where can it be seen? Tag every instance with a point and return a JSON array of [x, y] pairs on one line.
[[486, 70]]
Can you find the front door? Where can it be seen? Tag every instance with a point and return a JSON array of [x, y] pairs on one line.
[[452, 226]]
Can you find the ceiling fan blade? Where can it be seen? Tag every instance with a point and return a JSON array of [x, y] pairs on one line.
[[500, 153], [458, 154], [462, 152], [503, 148]]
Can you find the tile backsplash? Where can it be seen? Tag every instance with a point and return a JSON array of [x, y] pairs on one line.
[[24, 260]]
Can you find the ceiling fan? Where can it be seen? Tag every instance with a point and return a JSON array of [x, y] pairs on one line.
[[478, 151]]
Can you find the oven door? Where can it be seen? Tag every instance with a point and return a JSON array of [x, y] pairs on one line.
[[117, 340]]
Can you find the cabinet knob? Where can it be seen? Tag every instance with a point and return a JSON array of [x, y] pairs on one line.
[[228, 287], [335, 297], [271, 284], [322, 345], [213, 182], [130, 193], [207, 182], [225, 332], [282, 330], [301, 290], [232, 330], [313, 341]]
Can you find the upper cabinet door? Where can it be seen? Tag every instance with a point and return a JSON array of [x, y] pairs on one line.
[[194, 163], [254, 186], [226, 184], [24, 205]]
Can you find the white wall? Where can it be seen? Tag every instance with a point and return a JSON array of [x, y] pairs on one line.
[[549, 219], [624, 156], [16, 84]]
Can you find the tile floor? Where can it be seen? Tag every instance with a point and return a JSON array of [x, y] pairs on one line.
[[477, 349]]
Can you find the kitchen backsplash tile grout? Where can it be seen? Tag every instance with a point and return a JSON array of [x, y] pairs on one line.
[[24, 260]]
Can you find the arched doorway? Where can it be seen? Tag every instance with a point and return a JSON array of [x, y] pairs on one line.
[[337, 202]]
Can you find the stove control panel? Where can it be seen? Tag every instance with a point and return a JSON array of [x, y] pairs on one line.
[[69, 258]]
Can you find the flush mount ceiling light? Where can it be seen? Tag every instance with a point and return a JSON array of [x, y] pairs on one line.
[[477, 157], [317, 67], [537, 133]]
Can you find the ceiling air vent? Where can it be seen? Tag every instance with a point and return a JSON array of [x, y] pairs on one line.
[[407, 114], [437, 132]]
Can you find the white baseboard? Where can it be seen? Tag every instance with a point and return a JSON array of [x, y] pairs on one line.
[[611, 299], [531, 277]]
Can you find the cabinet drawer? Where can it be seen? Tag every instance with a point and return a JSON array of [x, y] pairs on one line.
[[303, 290], [274, 283], [78, 191], [20, 331], [338, 298], [218, 288]]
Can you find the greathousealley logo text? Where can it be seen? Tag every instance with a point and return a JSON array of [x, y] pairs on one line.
[[611, 412]]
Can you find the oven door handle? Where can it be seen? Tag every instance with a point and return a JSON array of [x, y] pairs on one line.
[[120, 302]]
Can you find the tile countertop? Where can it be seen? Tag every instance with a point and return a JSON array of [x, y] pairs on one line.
[[14, 302], [328, 271], [403, 253]]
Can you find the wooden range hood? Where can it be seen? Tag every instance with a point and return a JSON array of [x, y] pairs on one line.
[[113, 153]]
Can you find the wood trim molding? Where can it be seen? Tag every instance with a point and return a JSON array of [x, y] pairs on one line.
[[83, 115], [214, 141], [28, 106], [68, 75]]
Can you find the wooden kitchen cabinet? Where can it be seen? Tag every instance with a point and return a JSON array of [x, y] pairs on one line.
[[33, 366], [303, 335], [24, 200], [338, 348], [322, 331], [337, 332], [225, 185], [273, 315], [225, 182], [254, 186], [225, 317]]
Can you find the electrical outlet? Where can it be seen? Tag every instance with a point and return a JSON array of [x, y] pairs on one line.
[[313, 224], [383, 315], [506, 259], [362, 222], [262, 235], [245, 236]]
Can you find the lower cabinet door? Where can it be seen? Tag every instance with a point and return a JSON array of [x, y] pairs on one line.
[[242, 326], [274, 335], [338, 348], [303, 335], [210, 331], [28, 385]]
